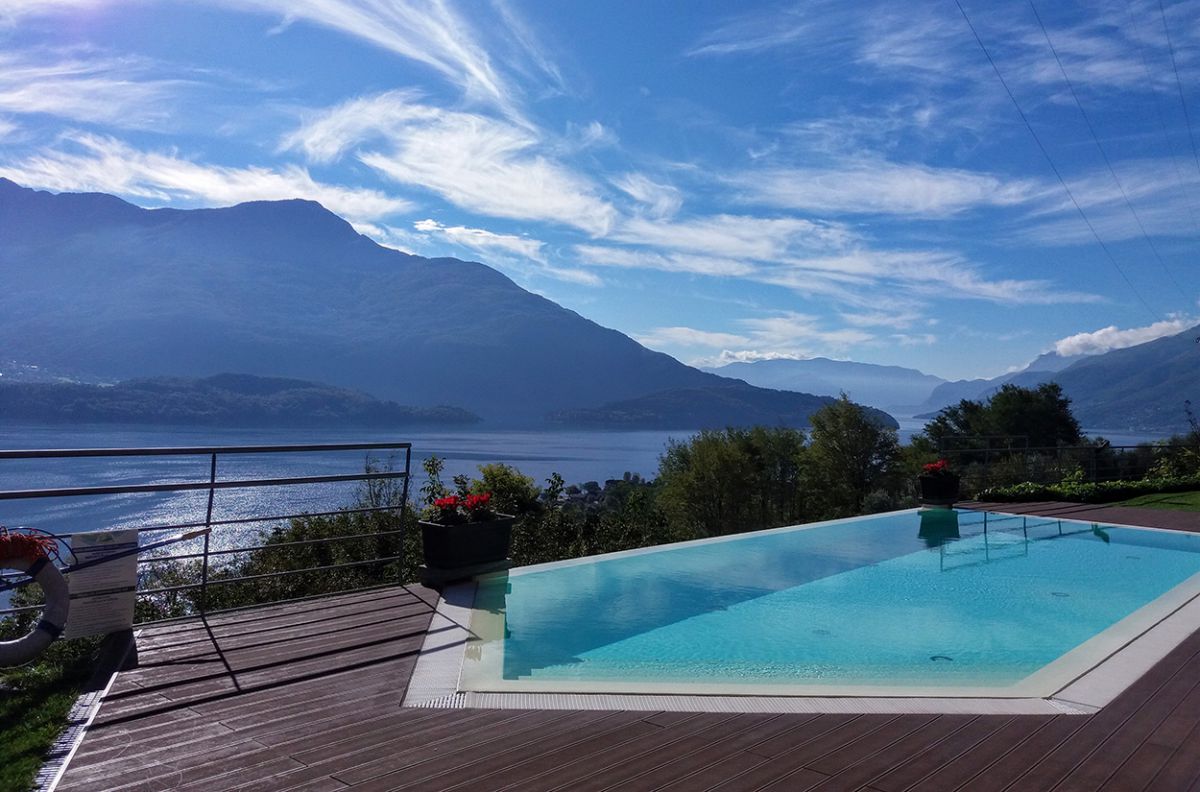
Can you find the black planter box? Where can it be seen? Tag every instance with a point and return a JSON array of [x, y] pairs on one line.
[[450, 547], [939, 490]]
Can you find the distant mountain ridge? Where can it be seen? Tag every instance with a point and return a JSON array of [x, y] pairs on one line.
[[1040, 370], [98, 286], [225, 400], [697, 408], [1139, 388], [883, 387]]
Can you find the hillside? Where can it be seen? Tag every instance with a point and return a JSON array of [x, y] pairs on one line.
[[226, 400], [1138, 388], [735, 404], [1042, 369], [884, 387], [111, 291]]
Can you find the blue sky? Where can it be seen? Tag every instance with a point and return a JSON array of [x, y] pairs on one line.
[[720, 181]]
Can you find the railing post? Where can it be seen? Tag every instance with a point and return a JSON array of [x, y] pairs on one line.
[[212, 480], [404, 512]]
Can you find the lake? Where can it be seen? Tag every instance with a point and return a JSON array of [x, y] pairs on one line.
[[578, 456]]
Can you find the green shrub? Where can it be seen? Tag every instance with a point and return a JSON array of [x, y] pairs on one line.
[[1089, 492]]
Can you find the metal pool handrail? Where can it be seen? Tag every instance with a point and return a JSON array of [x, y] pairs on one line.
[[212, 485]]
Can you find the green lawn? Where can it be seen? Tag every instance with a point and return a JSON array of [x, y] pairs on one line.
[[1176, 501], [34, 703]]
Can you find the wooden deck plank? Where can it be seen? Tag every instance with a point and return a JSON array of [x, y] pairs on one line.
[[686, 770], [854, 769], [576, 768], [1152, 755], [1182, 769], [951, 762], [546, 760], [317, 708], [1163, 685], [506, 758]]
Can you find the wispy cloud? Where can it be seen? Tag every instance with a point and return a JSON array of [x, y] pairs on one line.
[[507, 251], [1163, 196], [608, 256], [483, 240], [474, 161], [1109, 338], [878, 187], [90, 162], [784, 334], [827, 260], [689, 337], [87, 87], [754, 33], [659, 200], [734, 236], [436, 34]]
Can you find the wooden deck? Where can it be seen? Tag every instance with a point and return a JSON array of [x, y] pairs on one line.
[[307, 697]]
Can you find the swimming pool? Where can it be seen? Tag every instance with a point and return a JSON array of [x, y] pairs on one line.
[[933, 602]]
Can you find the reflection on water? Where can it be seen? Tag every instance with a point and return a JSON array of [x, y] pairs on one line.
[[938, 526], [577, 456]]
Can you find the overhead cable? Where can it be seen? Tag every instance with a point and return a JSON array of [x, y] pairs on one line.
[[1099, 147], [1050, 161]]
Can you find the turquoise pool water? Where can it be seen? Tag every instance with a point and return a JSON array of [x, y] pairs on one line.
[[926, 599]]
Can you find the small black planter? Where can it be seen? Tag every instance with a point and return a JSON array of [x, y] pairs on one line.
[[451, 547], [939, 490]]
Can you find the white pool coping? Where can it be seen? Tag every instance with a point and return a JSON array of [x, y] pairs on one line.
[[1079, 682]]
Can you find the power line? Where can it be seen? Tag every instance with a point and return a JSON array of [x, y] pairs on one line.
[[1087, 120], [1050, 162], [1186, 116], [1162, 119]]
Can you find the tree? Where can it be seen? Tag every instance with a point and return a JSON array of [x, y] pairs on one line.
[[849, 456], [1034, 417], [734, 480]]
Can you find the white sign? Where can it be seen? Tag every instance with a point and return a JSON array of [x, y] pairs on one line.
[[102, 595]]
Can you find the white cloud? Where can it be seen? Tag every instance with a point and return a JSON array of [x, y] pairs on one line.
[[689, 337], [86, 87], [12, 11], [483, 240], [661, 200], [476, 162], [515, 252], [755, 33], [734, 236], [814, 259], [432, 33], [605, 256], [785, 334], [789, 329], [917, 339], [898, 320], [1110, 338], [581, 137], [877, 187], [105, 164]]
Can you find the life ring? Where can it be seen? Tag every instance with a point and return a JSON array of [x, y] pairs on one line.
[[54, 612]]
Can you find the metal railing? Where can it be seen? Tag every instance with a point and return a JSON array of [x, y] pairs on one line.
[[207, 555], [987, 465]]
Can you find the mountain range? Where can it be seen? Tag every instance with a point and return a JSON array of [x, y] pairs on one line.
[[110, 291], [99, 290], [892, 388], [1138, 388], [224, 400]]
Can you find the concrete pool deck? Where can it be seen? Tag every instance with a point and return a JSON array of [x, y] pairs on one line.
[[307, 696]]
